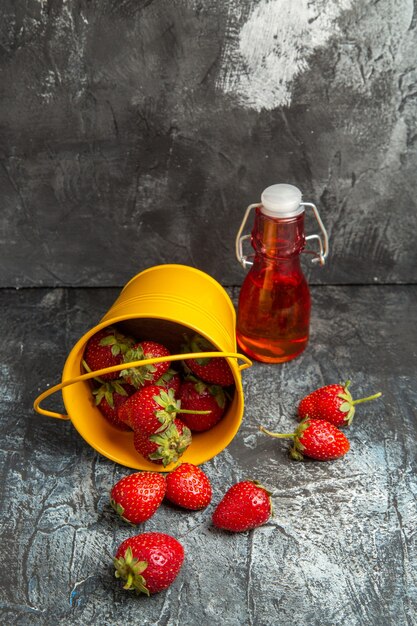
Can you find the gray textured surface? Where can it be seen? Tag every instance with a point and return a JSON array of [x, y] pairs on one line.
[[341, 547], [141, 130]]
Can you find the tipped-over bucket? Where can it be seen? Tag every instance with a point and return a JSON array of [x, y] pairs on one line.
[[162, 304]]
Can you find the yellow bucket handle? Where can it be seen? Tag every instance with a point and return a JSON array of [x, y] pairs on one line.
[[117, 368]]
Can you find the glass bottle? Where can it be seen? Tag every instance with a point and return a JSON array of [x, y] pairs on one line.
[[273, 317]]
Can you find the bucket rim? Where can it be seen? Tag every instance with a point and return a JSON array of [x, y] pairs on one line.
[[192, 270], [131, 316]]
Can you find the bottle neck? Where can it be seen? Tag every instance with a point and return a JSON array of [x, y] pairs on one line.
[[278, 238]]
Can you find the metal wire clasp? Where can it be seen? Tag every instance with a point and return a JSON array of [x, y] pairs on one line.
[[243, 259], [321, 255]]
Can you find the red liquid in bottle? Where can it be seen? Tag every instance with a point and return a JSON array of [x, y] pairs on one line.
[[274, 303]]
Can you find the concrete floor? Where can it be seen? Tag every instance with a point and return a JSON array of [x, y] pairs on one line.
[[340, 548]]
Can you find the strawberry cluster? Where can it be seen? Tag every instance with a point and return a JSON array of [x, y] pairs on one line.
[[150, 562], [162, 405], [321, 413], [148, 402]]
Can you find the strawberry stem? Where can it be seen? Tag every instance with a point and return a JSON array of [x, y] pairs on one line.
[[89, 370], [169, 405], [192, 412], [277, 435], [373, 397]]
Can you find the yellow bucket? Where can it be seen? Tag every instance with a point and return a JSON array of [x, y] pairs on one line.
[[161, 304]]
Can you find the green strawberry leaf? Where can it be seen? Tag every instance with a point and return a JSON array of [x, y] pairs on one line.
[[130, 569], [219, 395], [117, 507], [345, 407], [203, 361], [295, 454], [349, 416], [108, 394], [200, 387], [98, 395], [345, 396], [166, 400], [110, 340], [118, 388]]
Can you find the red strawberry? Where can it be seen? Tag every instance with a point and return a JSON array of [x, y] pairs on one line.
[[149, 562], [245, 505], [195, 395], [188, 487], [105, 349], [109, 397], [151, 409], [316, 439], [146, 374], [164, 447], [136, 497], [170, 380], [215, 370], [332, 403]]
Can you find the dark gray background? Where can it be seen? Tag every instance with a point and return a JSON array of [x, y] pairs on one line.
[[135, 132]]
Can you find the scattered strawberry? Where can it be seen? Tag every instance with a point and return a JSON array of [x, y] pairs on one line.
[[316, 439], [136, 497], [215, 370], [109, 397], [196, 395], [145, 374], [166, 446], [332, 403], [149, 562], [245, 505], [170, 380], [105, 349], [188, 487]]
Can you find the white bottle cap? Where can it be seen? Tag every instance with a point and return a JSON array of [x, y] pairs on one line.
[[281, 201]]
